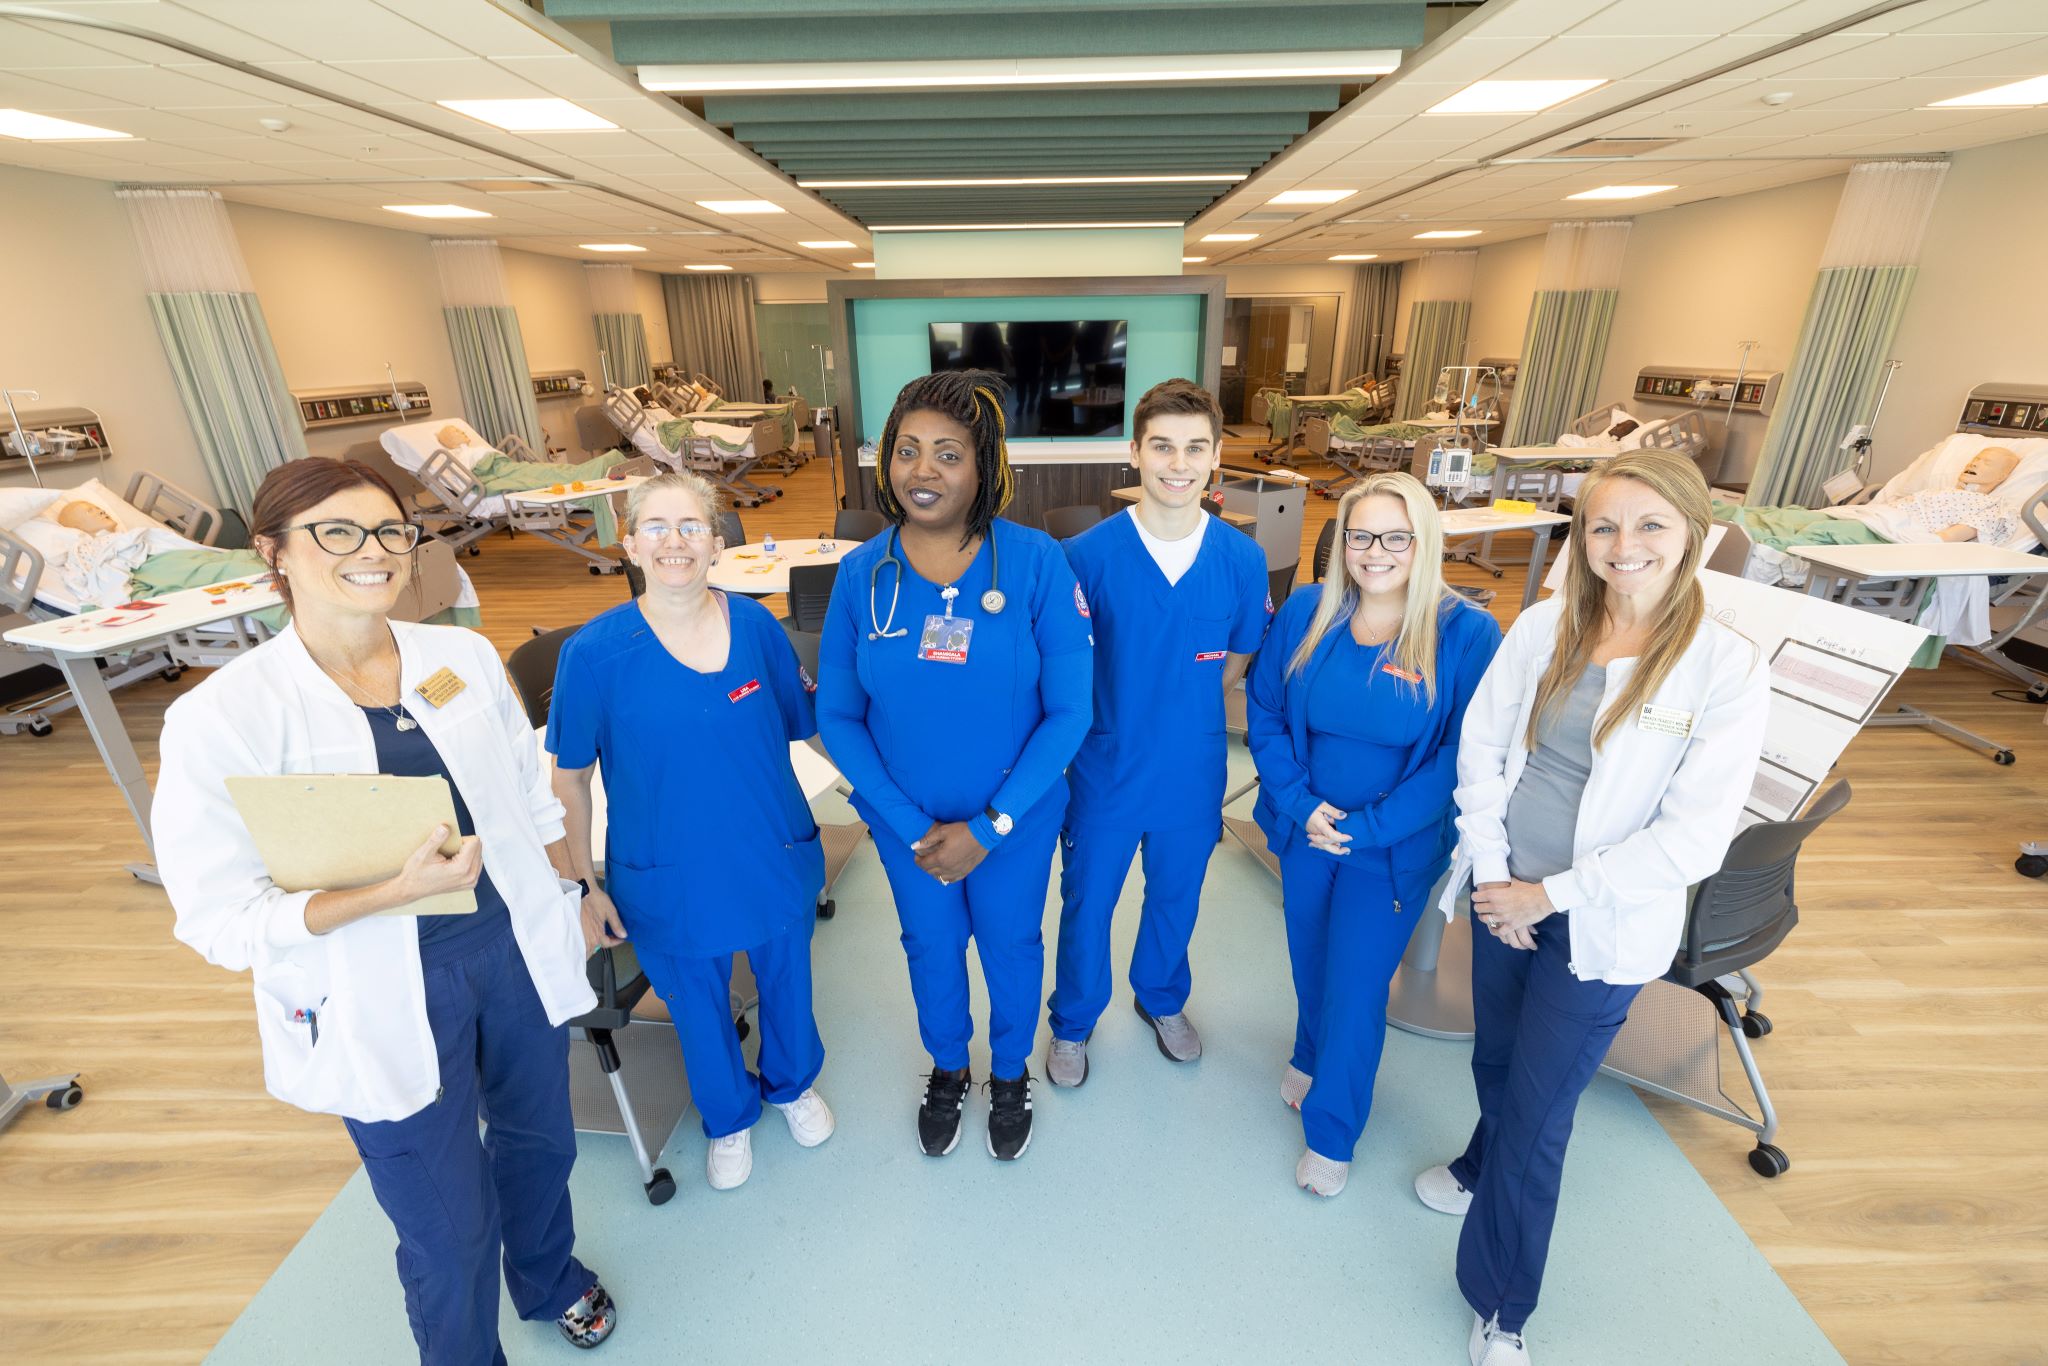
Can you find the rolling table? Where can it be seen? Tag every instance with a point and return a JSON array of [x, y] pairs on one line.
[[751, 571], [1460, 523]]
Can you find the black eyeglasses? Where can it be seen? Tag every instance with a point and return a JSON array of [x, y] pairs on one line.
[[346, 538], [1393, 542]]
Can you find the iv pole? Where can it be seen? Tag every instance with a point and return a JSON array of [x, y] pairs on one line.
[[28, 445], [825, 388]]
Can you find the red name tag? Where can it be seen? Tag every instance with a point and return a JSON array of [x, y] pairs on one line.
[[1397, 671], [1204, 656], [744, 690]]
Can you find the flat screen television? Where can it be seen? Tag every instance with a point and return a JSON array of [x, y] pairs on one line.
[[1066, 378]]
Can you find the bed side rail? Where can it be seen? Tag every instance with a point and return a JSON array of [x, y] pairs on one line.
[[22, 564], [178, 508]]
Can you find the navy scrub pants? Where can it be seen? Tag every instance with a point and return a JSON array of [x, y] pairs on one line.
[[1344, 942], [1541, 1035], [699, 996], [1001, 906], [458, 1199], [1095, 863]]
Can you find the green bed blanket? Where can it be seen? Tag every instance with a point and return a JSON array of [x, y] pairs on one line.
[[502, 474], [178, 569], [1786, 527]]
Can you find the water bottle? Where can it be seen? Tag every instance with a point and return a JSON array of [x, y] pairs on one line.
[[768, 544]]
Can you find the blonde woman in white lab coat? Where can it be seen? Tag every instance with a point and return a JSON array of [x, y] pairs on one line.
[[1601, 771], [409, 1027]]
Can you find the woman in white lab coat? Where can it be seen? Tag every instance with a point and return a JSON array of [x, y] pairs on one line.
[[409, 1027], [1602, 767]]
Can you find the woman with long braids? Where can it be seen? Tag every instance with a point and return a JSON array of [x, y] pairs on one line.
[[955, 684]]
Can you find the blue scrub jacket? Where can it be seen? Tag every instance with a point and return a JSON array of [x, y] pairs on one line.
[[1413, 822]]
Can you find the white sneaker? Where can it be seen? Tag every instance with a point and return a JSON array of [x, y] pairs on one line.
[[810, 1118], [730, 1161], [1491, 1345], [1294, 1084], [1319, 1175], [1438, 1189]]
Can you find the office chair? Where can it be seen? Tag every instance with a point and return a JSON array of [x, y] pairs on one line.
[[810, 593], [1326, 545], [1065, 523], [730, 528], [858, 524]]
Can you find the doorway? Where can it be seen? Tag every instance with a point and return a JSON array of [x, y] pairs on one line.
[[1283, 341]]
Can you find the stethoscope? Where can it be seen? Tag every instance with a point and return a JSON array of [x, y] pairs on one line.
[[992, 602]]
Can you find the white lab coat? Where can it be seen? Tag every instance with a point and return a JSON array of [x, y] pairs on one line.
[[1658, 811], [275, 711]]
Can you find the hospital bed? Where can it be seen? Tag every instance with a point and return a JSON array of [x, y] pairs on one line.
[[722, 451], [465, 512]]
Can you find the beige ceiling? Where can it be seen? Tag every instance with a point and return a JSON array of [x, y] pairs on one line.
[[1859, 92]]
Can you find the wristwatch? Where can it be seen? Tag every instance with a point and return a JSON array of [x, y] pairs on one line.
[[1003, 824]]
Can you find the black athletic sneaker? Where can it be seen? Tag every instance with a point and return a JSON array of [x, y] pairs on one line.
[[1009, 1117], [938, 1119], [591, 1319]]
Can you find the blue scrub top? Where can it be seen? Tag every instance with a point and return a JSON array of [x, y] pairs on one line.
[[1155, 756], [1362, 723], [711, 847], [923, 740]]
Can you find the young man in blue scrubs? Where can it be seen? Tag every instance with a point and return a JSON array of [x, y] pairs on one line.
[[1179, 603]]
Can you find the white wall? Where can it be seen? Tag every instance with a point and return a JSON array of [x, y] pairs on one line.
[[1502, 289], [654, 312], [794, 289], [552, 295]]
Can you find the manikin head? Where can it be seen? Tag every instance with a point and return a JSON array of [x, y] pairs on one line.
[[80, 515], [452, 437], [1988, 469]]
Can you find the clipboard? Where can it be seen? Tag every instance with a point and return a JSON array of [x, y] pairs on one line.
[[335, 831]]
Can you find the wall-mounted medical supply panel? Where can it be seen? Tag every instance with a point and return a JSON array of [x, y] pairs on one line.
[[1755, 392], [335, 407], [558, 384], [2019, 410], [58, 436]]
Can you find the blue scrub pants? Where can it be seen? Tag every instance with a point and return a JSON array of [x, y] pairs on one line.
[[1344, 941], [699, 996], [1541, 1035], [1001, 906], [1095, 862], [457, 1199]]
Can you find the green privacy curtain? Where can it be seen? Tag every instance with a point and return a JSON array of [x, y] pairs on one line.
[[1436, 324], [621, 330], [1866, 276], [711, 326], [483, 332], [222, 359], [1373, 307], [1569, 319]]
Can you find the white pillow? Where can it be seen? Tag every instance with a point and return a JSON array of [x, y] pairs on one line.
[[54, 543], [126, 516], [18, 505], [1938, 467]]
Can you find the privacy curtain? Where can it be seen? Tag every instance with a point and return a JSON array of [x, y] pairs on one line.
[[1569, 319], [711, 329], [483, 332], [218, 345], [1436, 324], [621, 331], [1374, 305], [1866, 275]]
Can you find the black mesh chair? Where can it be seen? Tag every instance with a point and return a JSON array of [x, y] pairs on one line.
[[810, 593], [614, 973], [1067, 522], [1326, 544], [858, 524], [1279, 583], [729, 527]]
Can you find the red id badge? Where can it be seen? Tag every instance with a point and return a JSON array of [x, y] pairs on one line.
[[946, 640]]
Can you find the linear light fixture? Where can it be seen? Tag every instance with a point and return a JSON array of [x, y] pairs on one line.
[[829, 246], [611, 246], [1448, 232], [741, 206], [435, 211], [1191, 260], [1357, 256], [1171, 68], [1012, 227], [1621, 192], [863, 265], [1311, 196], [530, 116], [710, 267], [19, 123], [969, 183], [1511, 97], [1230, 237], [2019, 95]]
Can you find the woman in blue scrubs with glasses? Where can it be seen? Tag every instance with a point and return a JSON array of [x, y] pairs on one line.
[[671, 692], [955, 686]]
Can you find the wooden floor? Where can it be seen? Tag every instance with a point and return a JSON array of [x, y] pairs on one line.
[[1908, 1062]]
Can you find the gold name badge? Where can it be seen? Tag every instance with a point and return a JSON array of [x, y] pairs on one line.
[[1665, 721], [441, 687]]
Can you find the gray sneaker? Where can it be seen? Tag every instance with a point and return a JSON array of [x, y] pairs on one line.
[[1067, 1063], [1176, 1034], [1294, 1084]]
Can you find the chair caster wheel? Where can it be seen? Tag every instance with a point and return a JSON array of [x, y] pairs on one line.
[[827, 909], [2004, 756], [1500, 573], [41, 728], [66, 1098], [597, 571], [662, 1188], [2029, 865], [1756, 1024], [1768, 1160], [474, 551]]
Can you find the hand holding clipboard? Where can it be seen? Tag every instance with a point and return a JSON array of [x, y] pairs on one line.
[[336, 832]]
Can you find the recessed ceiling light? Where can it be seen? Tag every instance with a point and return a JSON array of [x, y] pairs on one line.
[[1230, 237], [1012, 227], [435, 211], [828, 246], [19, 123], [1176, 68], [1511, 97], [530, 116], [1357, 256], [1448, 232], [1621, 192], [2018, 95], [1191, 260], [863, 265], [711, 267], [1310, 196], [971, 182], [739, 206], [611, 246]]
